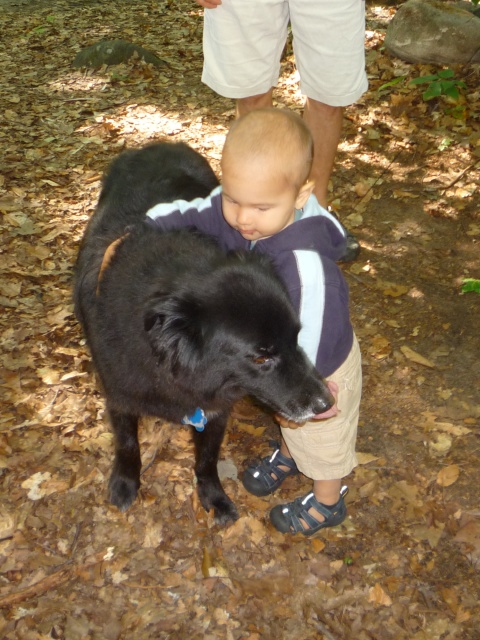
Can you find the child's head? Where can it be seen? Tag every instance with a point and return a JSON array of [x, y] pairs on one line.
[[266, 162]]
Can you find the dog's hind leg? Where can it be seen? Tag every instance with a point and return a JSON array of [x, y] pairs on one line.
[[125, 479], [210, 490]]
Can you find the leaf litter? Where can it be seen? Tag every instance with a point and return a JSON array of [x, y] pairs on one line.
[[405, 563]]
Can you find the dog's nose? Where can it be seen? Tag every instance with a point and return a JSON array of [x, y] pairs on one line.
[[323, 404]]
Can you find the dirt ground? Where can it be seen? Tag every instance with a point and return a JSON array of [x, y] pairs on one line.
[[405, 564]]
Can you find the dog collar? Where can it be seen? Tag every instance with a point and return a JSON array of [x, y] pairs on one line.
[[198, 419]]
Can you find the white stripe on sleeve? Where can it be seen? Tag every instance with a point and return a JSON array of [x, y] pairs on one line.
[[312, 303], [166, 208]]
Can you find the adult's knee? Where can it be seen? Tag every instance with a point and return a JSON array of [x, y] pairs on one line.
[[260, 101]]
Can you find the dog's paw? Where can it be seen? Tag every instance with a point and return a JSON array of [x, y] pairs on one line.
[[122, 491], [225, 514], [212, 496], [224, 511]]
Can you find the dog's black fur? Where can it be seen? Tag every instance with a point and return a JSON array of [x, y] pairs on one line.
[[174, 324]]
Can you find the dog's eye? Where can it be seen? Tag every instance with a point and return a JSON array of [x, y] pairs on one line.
[[261, 359]]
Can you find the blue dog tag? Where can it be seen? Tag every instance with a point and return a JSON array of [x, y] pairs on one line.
[[198, 419]]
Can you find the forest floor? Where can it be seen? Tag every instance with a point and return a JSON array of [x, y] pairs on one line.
[[405, 564]]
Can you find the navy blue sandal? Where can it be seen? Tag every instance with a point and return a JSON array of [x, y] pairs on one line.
[[258, 479], [289, 518]]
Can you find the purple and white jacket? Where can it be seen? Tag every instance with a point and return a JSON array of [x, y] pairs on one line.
[[304, 254]]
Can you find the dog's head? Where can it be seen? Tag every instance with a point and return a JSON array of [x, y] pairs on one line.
[[235, 334]]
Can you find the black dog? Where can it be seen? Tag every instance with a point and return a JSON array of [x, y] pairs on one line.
[[178, 329]]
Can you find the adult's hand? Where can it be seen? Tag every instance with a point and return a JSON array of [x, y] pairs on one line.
[[209, 4]]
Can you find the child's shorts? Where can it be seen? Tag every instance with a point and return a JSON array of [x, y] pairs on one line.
[[243, 42], [325, 449]]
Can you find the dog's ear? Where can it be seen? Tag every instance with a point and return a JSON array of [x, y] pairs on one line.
[[173, 328]]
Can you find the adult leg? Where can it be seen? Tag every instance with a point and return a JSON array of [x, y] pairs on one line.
[[328, 42], [325, 124], [260, 101]]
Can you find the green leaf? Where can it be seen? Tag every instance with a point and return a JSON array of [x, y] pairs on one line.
[[446, 73], [433, 91], [452, 92], [458, 112], [447, 84], [391, 83], [444, 144], [424, 79], [471, 284]]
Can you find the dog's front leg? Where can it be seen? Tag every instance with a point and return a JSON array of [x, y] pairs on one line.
[[125, 479], [210, 490]]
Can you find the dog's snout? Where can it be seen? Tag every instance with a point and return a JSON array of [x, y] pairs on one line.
[[323, 403]]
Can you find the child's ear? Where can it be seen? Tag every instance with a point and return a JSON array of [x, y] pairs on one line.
[[305, 192]]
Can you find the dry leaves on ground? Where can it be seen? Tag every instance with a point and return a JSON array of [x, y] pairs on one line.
[[404, 565]]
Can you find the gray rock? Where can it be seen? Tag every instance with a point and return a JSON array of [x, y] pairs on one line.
[[431, 31], [227, 469], [112, 52]]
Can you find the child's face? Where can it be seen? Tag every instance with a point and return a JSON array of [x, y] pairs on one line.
[[255, 202]]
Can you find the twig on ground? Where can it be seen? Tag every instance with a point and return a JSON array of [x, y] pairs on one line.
[[75, 539], [47, 583], [459, 177], [323, 630], [52, 581], [152, 460]]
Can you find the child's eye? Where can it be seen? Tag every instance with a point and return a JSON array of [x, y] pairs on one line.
[[262, 208]]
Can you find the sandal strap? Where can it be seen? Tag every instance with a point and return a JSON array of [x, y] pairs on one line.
[[297, 511], [271, 464], [261, 473], [275, 460]]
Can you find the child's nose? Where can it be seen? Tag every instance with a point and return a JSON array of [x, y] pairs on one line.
[[243, 216]]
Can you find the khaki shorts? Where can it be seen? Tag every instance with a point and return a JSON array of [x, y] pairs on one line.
[[243, 42], [325, 449]]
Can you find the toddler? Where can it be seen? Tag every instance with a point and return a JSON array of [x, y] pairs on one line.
[[266, 203]]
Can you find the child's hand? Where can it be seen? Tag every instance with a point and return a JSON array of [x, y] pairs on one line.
[[289, 424]]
